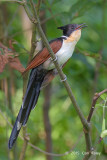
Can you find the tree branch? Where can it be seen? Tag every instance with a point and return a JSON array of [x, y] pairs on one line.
[[38, 6], [35, 19], [86, 125], [47, 125], [55, 154], [87, 135], [62, 75], [40, 150], [16, 1], [95, 98]]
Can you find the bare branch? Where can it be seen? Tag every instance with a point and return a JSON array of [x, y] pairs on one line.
[[47, 124], [16, 1], [40, 150], [95, 98], [55, 154], [38, 6]]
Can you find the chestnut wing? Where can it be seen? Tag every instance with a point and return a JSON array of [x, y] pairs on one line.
[[43, 55]]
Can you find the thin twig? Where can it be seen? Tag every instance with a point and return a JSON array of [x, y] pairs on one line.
[[55, 154], [38, 6], [87, 136], [16, 1], [29, 13], [95, 98], [9, 24], [40, 150], [25, 30]]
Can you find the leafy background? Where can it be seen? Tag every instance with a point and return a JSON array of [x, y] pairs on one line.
[[86, 72]]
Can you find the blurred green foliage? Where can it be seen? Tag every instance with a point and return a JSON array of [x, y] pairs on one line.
[[81, 71]]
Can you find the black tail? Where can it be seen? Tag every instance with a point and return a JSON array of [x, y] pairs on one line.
[[33, 89]]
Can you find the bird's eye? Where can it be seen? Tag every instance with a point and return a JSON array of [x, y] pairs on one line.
[[72, 27]]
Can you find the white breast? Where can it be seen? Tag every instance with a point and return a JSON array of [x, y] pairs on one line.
[[63, 54]]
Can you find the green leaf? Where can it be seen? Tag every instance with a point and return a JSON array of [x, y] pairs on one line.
[[104, 96]]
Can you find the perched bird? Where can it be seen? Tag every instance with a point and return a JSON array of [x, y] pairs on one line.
[[43, 71]]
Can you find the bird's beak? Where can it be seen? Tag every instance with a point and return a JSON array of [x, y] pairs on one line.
[[83, 25]]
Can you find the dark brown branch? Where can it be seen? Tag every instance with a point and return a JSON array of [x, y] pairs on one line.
[[95, 98], [47, 125], [87, 135], [46, 107]]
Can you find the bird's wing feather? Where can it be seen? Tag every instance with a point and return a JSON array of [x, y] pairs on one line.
[[43, 55]]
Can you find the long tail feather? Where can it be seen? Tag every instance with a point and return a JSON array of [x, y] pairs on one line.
[[33, 89]]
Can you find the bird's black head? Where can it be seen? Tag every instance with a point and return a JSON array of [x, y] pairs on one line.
[[69, 28]]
